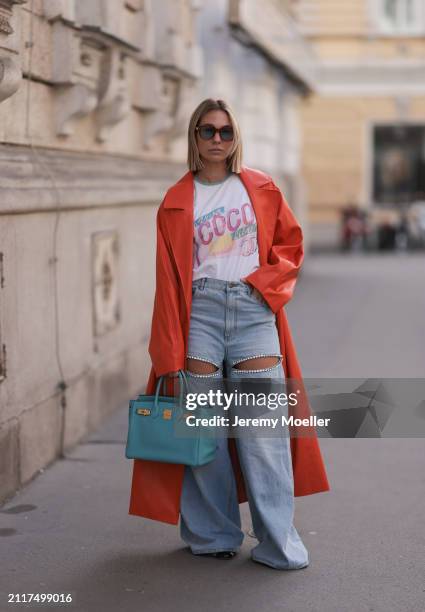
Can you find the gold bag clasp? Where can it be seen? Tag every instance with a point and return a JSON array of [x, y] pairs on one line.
[[143, 411]]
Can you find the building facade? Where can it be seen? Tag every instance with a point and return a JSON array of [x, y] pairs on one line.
[[94, 101], [364, 127]]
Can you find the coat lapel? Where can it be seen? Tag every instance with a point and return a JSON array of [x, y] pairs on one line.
[[255, 187], [180, 218]]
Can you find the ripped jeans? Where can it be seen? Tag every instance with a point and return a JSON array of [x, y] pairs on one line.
[[228, 325]]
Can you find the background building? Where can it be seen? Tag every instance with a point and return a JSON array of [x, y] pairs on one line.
[[364, 127]]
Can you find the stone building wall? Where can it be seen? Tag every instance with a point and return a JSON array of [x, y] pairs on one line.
[[93, 95]]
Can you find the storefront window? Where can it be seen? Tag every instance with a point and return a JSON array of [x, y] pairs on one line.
[[399, 164]]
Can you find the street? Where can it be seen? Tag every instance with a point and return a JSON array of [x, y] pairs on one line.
[[69, 530]]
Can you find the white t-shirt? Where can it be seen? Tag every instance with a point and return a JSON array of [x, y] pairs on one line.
[[225, 231]]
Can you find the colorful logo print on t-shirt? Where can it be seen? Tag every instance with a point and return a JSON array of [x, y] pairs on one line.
[[220, 232]]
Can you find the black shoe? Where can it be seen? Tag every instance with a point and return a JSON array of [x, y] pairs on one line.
[[221, 554]]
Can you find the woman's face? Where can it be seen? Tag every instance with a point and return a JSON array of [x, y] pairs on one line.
[[215, 149]]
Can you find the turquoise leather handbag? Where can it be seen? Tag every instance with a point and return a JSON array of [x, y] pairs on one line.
[[157, 430]]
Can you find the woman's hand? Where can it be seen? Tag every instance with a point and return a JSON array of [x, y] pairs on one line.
[[276, 279], [172, 374], [257, 294], [255, 291]]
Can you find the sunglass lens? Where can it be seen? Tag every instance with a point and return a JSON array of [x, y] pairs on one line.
[[206, 132], [226, 134]]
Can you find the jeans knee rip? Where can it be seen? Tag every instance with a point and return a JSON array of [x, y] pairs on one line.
[[275, 365], [207, 375]]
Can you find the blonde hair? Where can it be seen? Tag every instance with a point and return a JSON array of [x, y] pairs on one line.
[[234, 160]]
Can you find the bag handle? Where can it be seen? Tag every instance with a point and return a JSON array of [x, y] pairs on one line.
[[161, 382], [182, 383]]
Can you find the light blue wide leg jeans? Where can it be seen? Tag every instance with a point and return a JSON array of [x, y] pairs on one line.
[[229, 325]]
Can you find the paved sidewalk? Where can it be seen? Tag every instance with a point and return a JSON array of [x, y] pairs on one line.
[[69, 530]]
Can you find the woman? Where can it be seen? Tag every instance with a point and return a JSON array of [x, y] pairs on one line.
[[228, 252]]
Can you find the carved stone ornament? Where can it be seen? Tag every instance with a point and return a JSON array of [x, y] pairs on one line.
[[6, 9], [8, 4], [114, 102], [73, 102], [5, 27], [182, 110], [10, 77], [53, 9], [135, 5], [172, 113], [160, 121], [10, 70], [105, 266], [75, 78]]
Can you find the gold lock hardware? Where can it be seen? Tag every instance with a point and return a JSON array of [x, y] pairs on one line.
[[143, 411], [166, 414]]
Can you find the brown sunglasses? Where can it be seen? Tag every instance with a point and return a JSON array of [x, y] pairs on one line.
[[208, 131]]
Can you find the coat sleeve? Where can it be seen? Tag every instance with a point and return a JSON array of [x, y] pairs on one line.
[[276, 279], [166, 345]]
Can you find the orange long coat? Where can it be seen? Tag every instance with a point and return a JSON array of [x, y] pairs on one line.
[[156, 486]]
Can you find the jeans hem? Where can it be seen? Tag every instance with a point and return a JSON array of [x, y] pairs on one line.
[[274, 566]]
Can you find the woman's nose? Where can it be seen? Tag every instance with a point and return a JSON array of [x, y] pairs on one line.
[[217, 137]]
